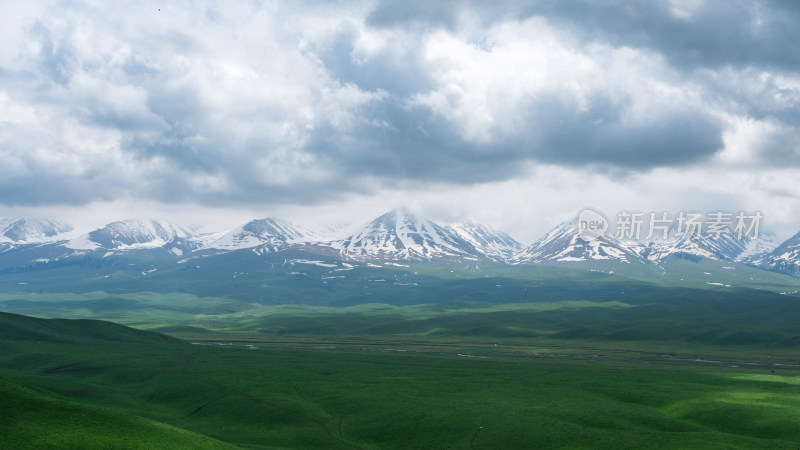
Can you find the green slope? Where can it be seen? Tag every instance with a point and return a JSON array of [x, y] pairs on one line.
[[18, 327], [33, 418]]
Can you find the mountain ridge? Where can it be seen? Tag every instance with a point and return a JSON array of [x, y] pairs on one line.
[[30, 230], [397, 235], [130, 234]]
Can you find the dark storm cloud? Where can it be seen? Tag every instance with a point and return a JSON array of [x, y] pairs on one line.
[[601, 135], [420, 13], [419, 145], [414, 144], [717, 33]]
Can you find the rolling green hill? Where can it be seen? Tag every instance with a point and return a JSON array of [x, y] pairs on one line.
[[17, 327]]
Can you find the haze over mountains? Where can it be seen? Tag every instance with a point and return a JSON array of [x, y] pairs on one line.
[[398, 235]]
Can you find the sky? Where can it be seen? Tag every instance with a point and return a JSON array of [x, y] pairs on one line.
[[515, 114]]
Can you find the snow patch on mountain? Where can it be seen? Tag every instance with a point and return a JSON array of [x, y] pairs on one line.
[[83, 243]]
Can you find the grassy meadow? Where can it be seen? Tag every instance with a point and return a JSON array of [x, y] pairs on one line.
[[397, 357], [92, 384]]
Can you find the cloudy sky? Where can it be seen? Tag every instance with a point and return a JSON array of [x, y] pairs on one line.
[[511, 113]]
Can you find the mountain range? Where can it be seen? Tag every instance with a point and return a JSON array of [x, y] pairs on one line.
[[398, 235]]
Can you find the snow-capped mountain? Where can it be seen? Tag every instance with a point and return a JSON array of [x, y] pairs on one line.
[[131, 234], [759, 248], [491, 243], [31, 231], [785, 258], [564, 245], [724, 248], [272, 234], [396, 235], [400, 235]]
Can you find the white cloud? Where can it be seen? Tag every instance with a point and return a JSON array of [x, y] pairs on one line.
[[284, 108], [488, 90]]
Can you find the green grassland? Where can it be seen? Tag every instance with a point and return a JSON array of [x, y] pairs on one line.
[[35, 418], [93, 384], [297, 354], [607, 310]]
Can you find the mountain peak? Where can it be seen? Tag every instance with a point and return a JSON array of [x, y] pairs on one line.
[[563, 244], [397, 215], [269, 232], [400, 234]]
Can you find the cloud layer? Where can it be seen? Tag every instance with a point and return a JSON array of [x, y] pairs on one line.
[[307, 102]]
